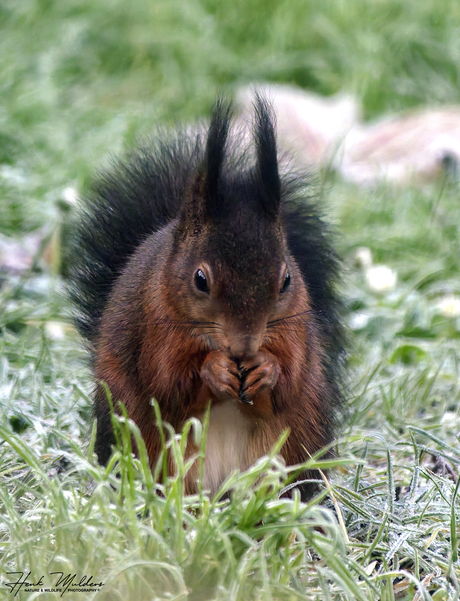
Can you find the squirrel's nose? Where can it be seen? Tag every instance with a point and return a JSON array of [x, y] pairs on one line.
[[242, 347]]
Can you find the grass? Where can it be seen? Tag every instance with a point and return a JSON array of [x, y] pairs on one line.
[[80, 80]]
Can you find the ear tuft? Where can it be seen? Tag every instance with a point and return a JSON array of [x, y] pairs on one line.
[[215, 150], [267, 156], [202, 201]]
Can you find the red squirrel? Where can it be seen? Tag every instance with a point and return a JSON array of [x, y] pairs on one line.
[[204, 274]]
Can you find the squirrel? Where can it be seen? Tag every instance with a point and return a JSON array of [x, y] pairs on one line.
[[203, 273]]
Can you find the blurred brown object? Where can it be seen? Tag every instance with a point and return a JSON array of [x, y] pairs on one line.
[[311, 126], [415, 147]]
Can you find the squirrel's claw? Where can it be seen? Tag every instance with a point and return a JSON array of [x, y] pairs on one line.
[[256, 375], [244, 398], [261, 372]]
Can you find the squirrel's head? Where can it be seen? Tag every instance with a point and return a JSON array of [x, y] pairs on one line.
[[230, 260]]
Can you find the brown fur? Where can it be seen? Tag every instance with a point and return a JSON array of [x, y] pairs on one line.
[[173, 356]]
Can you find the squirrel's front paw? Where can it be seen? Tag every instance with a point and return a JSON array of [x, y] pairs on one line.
[[220, 374], [257, 374]]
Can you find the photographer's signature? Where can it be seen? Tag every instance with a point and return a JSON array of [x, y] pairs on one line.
[[61, 583]]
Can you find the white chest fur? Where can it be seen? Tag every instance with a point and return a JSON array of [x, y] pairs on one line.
[[227, 444]]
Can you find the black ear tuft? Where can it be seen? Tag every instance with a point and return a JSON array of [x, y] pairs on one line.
[[202, 203], [267, 158], [215, 150]]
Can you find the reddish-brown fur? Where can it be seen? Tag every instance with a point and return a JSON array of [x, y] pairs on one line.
[[184, 373]]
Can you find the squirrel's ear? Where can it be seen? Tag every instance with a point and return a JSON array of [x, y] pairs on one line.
[[267, 156]]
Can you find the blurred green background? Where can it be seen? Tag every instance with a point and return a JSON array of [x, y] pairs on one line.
[[80, 78]]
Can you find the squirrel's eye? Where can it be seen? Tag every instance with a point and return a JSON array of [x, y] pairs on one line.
[[201, 282], [287, 281]]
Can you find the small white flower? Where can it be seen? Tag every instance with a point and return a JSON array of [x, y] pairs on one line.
[[363, 257], [54, 330], [449, 306], [70, 195], [359, 321], [381, 279]]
